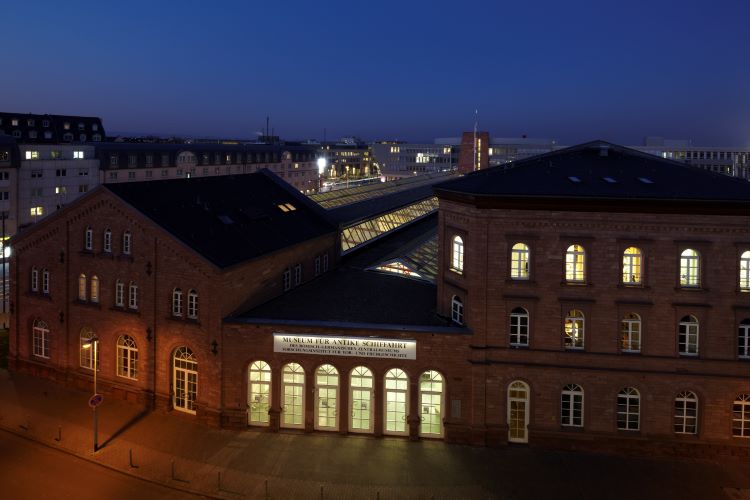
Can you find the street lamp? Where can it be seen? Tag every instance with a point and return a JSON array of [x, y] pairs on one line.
[[93, 344]]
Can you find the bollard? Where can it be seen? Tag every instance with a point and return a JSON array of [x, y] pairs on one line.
[[173, 470], [59, 433], [133, 466], [219, 481], [267, 495], [377, 497]]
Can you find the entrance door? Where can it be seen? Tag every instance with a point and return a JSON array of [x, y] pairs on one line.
[[258, 393], [361, 397], [293, 391], [185, 376], [518, 412], [326, 398], [396, 402], [431, 404]]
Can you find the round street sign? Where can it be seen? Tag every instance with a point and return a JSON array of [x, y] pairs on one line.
[[95, 400]]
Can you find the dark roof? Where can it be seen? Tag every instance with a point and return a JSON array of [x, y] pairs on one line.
[[355, 212], [351, 295], [228, 219], [55, 126], [600, 170]]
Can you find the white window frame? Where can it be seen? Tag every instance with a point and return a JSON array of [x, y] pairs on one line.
[[396, 402], [185, 366], [325, 262], [86, 352], [457, 310], [361, 400], [688, 336], [88, 242], [519, 327], [127, 357], [293, 388], [40, 339], [519, 261], [317, 265], [177, 302], [132, 295], [575, 264], [741, 416], [685, 417], [298, 275], [431, 404], [574, 330], [690, 268], [34, 279], [259, 393], [628, 405], [327, 398], [126, 242], [119, 294], [107, 246], [287, 279], [457, 255], [571, 406], [631, 333], [45, 281], [745, 270], [632, 266], [192, 305]]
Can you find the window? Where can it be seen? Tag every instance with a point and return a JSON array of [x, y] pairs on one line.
[[574, 330], [317, 265], [628, 409], [55, 155], [631, 266], [575, 264], [519, 327], [293, 396], [45, 123], [36, 211], [83, 188], [131, 176], [325, 262], [745, 270], [164, 160], [630, 333], [743, 339], [32, 134], [457, 255], [457, 310], [518, 414], [132, 296], [687, 341], [40, 339], [61, 190], [686, 413], [94, 289], [690, 268], [32, 155], [361, 399], [126, 242], [258, 393], [119, 294], [431, 386], [185, 379], [287, 279], [66, 126], [192, 305], [34, 279], [127, 357], [82, 287], [132, 160], [396, 405], [176, 302], [326, 397], [78, 155], [114, 160], [741, 416], [67, 137], [88, 242], [519, 262], [37, 174], [107, 241], [297, 275], [61, 172], [81, 126], [113, 176], [571, 406], [37, 192], [86, 350], [45, 282]]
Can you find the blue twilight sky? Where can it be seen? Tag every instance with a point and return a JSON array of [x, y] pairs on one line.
[[411, 70]]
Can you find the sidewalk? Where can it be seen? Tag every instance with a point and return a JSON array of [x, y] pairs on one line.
[[174, 451]]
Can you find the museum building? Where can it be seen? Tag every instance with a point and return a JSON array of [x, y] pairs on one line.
[[593, 297]]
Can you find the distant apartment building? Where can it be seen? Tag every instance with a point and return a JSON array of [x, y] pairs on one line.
[[349, 158], [725, 160], [397, 159], [51, 129]]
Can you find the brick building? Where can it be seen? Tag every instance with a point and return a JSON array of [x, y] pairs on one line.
[[593, 297]]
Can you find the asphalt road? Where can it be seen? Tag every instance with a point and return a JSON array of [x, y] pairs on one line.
[[31, 470]]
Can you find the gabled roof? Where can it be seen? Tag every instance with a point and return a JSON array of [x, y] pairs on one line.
[[600, 170], [228, 219]]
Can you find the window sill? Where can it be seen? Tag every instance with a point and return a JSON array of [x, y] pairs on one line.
[[519, 346], [633, 286], [576, 283], [574, 349], [90, 253], [630, 353], [125, 257], [456, 272], [87, 303], [183, 319], [39, 295], [691, 289], [127, 310], [684, 355], [572, 428], [520, 281]]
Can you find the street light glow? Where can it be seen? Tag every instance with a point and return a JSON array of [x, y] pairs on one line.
[[322, 163]]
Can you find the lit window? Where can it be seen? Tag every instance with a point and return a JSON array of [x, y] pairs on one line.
[[94, 289], [119, 294], [34, 279], [259, 393], [82, 287], [690, 268], [574, 330], [745, 270], [287, 279], [32, 155], [293, 395], [575, 264], [192, 305], [177, 302], [631, 266], [66, 126], [628, 409], [78, 155], [630, 333], [571, 406], [132, 296], [107, 240], [396, 401], [86, 350], [519, 262], [45, 282], [743, 339], [457, 310], [185, 377], [457, 255], [36, 211], [686, 413], [431, 390], [126, 242], [89, 239], [127, 357], [519, 327], [741, 416], [40, 339], [687, 342]]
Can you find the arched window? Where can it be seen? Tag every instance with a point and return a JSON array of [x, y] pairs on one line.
[[573, 333], [519, 327], [743, 339], [326, 397], [631, 266], [519, 262], [457, 310], [258, 393], [45, 281], [745, 270], [34, 279], [293, 396], [88, 239], [192, 304], [431, 405], [176, 302], [518, 412], [132, 295], [94, 289], [575, 264], [690, 268], [686, 413], [741, 416], [630, 333], [362, 399], [40, 339], [396, 402], [687, 339], [185, 376], [457, 255], [571, 406], [82, 286], [126, 242], [628, 409], [107, 247], [119, 294], [86, 352], [127, 357]]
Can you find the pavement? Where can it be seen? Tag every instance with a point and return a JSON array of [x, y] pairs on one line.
[[172, 450]]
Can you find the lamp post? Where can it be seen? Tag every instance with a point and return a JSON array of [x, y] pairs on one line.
[[93, 344]]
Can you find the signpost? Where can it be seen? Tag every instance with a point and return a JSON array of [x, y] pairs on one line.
[[95, 400]]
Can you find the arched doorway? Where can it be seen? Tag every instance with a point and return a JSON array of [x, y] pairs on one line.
[[361, 397], [185, 376], [326, 398], [431, 404], [518, 412], [293, 394], [396, 402], [258, 393]]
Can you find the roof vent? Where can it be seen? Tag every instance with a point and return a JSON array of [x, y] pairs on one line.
[[645, 180], [573, 178]]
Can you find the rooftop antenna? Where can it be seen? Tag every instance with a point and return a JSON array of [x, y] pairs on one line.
[[476, 122], [267, 118]]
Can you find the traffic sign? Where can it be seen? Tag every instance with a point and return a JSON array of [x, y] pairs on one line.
[[95, 400]]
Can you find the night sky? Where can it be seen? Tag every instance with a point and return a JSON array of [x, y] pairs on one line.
[[573, 71]]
